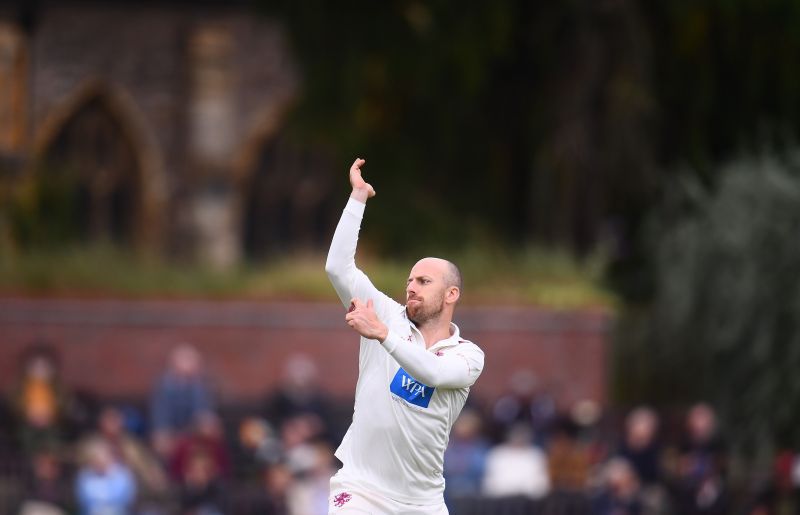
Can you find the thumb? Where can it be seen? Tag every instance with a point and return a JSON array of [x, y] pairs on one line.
[[370, 304]]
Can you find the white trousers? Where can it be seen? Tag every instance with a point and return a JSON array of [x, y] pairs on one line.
[[350, 498]]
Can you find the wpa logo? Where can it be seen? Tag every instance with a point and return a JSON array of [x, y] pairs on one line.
[[411, 390]]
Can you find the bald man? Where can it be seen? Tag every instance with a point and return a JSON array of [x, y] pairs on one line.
[[414, 374]]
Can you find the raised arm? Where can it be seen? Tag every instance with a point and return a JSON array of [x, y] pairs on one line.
[[347, 279]]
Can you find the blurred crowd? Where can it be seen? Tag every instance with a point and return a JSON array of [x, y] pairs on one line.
[[180, 452]]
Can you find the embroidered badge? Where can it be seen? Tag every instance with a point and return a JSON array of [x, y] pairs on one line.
[[340, 499]]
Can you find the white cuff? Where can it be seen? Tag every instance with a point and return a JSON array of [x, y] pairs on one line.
[[392, 341], [355, 207]]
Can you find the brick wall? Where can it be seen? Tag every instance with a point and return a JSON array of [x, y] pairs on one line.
[[119, 347]]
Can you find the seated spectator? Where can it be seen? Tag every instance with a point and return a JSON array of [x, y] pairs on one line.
[[465, 457], [277, 483], [299, 394], [41, 403], [47, 488], [201, 486], [701, 481], [309, 492], [298, 436], [642, 449], [104, 486], [569, 459], [526, 401], [516, 467], [258, 447], [207, 439], [619, 493], [128, 450], [180, 395]]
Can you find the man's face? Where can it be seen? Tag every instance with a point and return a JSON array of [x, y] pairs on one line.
[[425, 291]]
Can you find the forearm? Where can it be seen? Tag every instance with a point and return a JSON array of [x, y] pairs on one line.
[[340, 265], [448, 371]]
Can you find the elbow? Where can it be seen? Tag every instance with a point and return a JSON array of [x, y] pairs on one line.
[[334, 274], [431, 379], [331, 269]]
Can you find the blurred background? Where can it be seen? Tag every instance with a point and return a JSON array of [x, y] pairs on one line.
[[619, 181]]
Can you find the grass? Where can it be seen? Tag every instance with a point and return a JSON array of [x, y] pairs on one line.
[[534, 277]]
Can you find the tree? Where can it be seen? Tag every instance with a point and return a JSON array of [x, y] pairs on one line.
[[724, 321]]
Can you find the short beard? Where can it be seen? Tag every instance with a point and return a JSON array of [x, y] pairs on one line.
[[426, 314]]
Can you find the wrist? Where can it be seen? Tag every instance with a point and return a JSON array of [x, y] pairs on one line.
[[360, 194], [383, 333], [390, 341]]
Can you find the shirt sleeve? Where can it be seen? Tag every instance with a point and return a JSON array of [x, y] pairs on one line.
[[347, 279], [455, 369]]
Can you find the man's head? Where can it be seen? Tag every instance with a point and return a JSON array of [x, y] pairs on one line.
[[433, 289]]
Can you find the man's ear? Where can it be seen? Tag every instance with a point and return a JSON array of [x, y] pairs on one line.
[[453, 294]]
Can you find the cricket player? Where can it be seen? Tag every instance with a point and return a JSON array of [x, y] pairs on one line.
[[415, 372]]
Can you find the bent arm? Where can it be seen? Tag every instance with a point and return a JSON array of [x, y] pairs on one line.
[[347, 280], [452, 370]]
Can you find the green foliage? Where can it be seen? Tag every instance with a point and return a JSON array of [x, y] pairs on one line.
[[43, 211], [467, 115], [544, 278], [724, 322], [539, 121]]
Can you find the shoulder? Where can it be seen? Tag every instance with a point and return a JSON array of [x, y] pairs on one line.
[[471, 352], [465, 345]]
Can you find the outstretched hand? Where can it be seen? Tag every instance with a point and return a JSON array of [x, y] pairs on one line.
[[365, 321], [362, 190]]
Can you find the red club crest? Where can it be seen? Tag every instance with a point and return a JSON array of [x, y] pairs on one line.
[[341, 498]]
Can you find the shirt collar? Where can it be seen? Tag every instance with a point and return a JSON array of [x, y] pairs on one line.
[[453, 339]]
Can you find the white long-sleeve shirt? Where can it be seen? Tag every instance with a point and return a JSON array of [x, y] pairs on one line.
[[407, 396]]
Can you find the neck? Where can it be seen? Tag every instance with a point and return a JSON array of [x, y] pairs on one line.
[[434, 330]]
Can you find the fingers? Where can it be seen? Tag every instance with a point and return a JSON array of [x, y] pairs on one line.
[[358, 163]]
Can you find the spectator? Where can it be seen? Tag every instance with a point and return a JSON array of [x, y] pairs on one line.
[[297, 436], [180, 395], [201, 487], [258, 447], [516, 467], [277, 483], [129, 451], [569, 459], [642, 449], [47, 486], [205, 439], [619, 494], [465, 457], [309, 492], [525, 402], [640, 445], [104, 486], [41, 404], [299, 394], [701, 487]]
